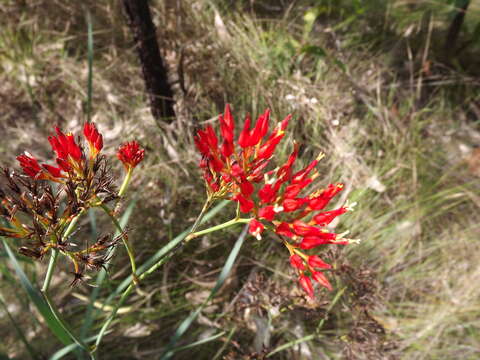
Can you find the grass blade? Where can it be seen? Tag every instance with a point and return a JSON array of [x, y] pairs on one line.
[[200, 342], [90, 66], [152, 264], [291, 343], [163, 251], [67, 349], [227, 268], [90, 314], [36, 297]]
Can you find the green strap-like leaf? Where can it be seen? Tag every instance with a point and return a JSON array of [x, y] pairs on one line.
[[227, 268], [36, 297]]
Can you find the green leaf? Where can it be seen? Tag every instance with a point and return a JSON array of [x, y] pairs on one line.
[[163, 251], [36, 297], [67, 349], [149, 266], [90, 66], [90, 314], [291, 343], [200, 342], [314, 50], [227, 268]]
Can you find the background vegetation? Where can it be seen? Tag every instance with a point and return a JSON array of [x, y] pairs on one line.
[[377, 85]]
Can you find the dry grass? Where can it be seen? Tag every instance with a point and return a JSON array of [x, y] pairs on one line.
[[401, 145]]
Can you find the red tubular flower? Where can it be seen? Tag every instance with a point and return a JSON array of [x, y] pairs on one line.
[[65, 146], [315, 262], [267, 193], [246, 205], [255, 228], [319, 202], [284, 229], [310, 242], [266, 213], [325, 218], [321, 279], [290, 205], [244, 138], [32, 168], [297, 262], [130, 154], [52, 170], [306, 285], [246, 188], [94, 138], [29, 165]]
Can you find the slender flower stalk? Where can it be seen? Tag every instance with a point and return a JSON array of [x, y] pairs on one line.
[[128, 246]]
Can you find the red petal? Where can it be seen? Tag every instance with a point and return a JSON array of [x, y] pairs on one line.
[[212, 137], [267, 213], [244, 138], [310, 242], [297, 262], [54, 171], [267, 194], [290, 205], [246, 188], [284, 229], [325, 218], [227, 125], [315, 262], [319, 202], [255, 228], [246, 205], [258, 131], [321, 279], [306, 284]]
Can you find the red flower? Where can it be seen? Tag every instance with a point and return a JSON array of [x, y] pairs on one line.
[[315, 262], [297, 262], [32, 168], [94, 138], [29, 165], [54, 171], [130, 154], [255, 228], [306, 285], [238, 171], [230, 169], [310, 242], [321, 279], [65, 146]]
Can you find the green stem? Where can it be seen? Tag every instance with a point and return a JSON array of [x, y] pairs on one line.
[[232, 222], [50, 269], [126, 181], [147, 272], [54, 253], [48, 279], [128, 247], [199, 218]]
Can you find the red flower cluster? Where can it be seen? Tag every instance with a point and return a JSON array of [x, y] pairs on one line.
[[70, 157], [130, 154], [273, 198]]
